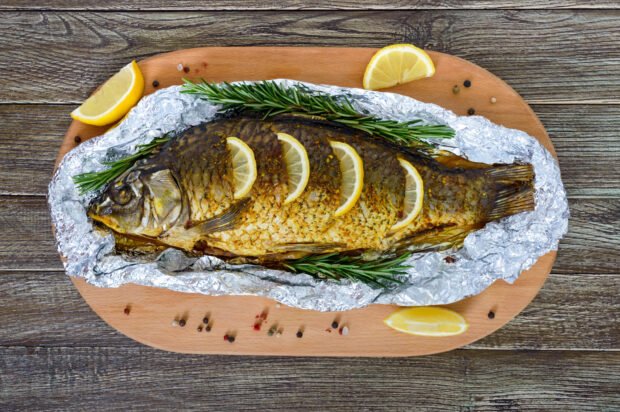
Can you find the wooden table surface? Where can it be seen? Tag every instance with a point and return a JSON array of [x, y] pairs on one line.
[[561, 353]]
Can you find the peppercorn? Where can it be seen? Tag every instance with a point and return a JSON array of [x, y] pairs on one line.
[[205, 320], [77, 139], [299, 334], [471, 111], [127, 310], [231, 339], [257, 326], [199, 328], [208, 328], [335, 324], [182, 322], [491, 315], [186, 69], [467, 83], [155, 83]]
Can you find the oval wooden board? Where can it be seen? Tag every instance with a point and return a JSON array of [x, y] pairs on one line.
[[152, 310]]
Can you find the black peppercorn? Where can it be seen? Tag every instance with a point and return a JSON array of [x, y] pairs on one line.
[[77, 139], [182, 322], [186, 69], [205, 320], [231, 338], [335, 324], [155, 83], [471, 111], [299, 334], [467, 83], [491, 314], [208, 328]]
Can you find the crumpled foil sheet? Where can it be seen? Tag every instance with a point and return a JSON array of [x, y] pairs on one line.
[[501, 250]]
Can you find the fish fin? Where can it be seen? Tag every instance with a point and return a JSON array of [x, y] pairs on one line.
[[434, 240], [452, 160], [515, 190], [305, 247], [226, 220]]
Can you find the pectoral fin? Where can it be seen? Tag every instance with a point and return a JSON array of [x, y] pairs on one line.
[[227, 220]]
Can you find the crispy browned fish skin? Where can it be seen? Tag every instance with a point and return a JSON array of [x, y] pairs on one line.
[[460, 196]]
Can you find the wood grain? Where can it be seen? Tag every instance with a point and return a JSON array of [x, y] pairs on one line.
[[571, 312], [585, 137], [139, 5], [541, 57], [592, 244], [140, 378]]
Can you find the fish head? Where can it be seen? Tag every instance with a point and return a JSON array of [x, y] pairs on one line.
[[144, 202]]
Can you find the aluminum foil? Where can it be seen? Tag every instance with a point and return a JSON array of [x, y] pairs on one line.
[[501, 250]]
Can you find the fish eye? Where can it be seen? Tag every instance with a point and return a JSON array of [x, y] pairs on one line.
[[121, 196]]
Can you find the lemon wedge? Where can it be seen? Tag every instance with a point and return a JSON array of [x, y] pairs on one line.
[[352, 171], [114, 99], [414, 195], [427, 321], [244, 166], [397, 64], [297, 165]]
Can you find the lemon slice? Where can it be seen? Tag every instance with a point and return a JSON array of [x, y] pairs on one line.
[[297, 166], [414, 195], [244, 166], [114, 99], [352, 171], [427, 321], [397, 64]]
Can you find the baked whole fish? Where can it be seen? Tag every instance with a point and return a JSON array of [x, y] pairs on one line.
[[183, 195]]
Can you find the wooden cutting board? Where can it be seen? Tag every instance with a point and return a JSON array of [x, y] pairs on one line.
[[149, 315]]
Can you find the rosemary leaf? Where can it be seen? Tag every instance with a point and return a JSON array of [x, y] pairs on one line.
[[380, 272], [272, 99], [90, 181]]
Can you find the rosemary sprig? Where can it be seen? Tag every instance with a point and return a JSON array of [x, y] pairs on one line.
[[89, 181], [380, 272], [273, 99]]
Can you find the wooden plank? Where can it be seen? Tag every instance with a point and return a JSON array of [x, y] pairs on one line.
[[571, 312], [160, 5], [585, 138], [136, 378], [85, 48], [592, 244]]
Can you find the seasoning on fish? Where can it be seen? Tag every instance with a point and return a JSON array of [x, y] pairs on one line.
[[225, 188]]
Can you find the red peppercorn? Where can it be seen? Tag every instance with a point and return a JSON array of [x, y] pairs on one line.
[[127, 310], [257, 326], [225, 337]]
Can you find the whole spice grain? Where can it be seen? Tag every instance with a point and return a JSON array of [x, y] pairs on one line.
[[205, 320], [127, 310], [335, 324], [456, 89], [77, 139], [299, 334], [199, 328], [467, 83], [208, 328], [491, 314], [155, 83], [182, 322], [471, 111], [186, 69], [231, 338]]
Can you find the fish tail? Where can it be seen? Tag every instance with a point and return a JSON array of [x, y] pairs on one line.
[[514, 190]]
